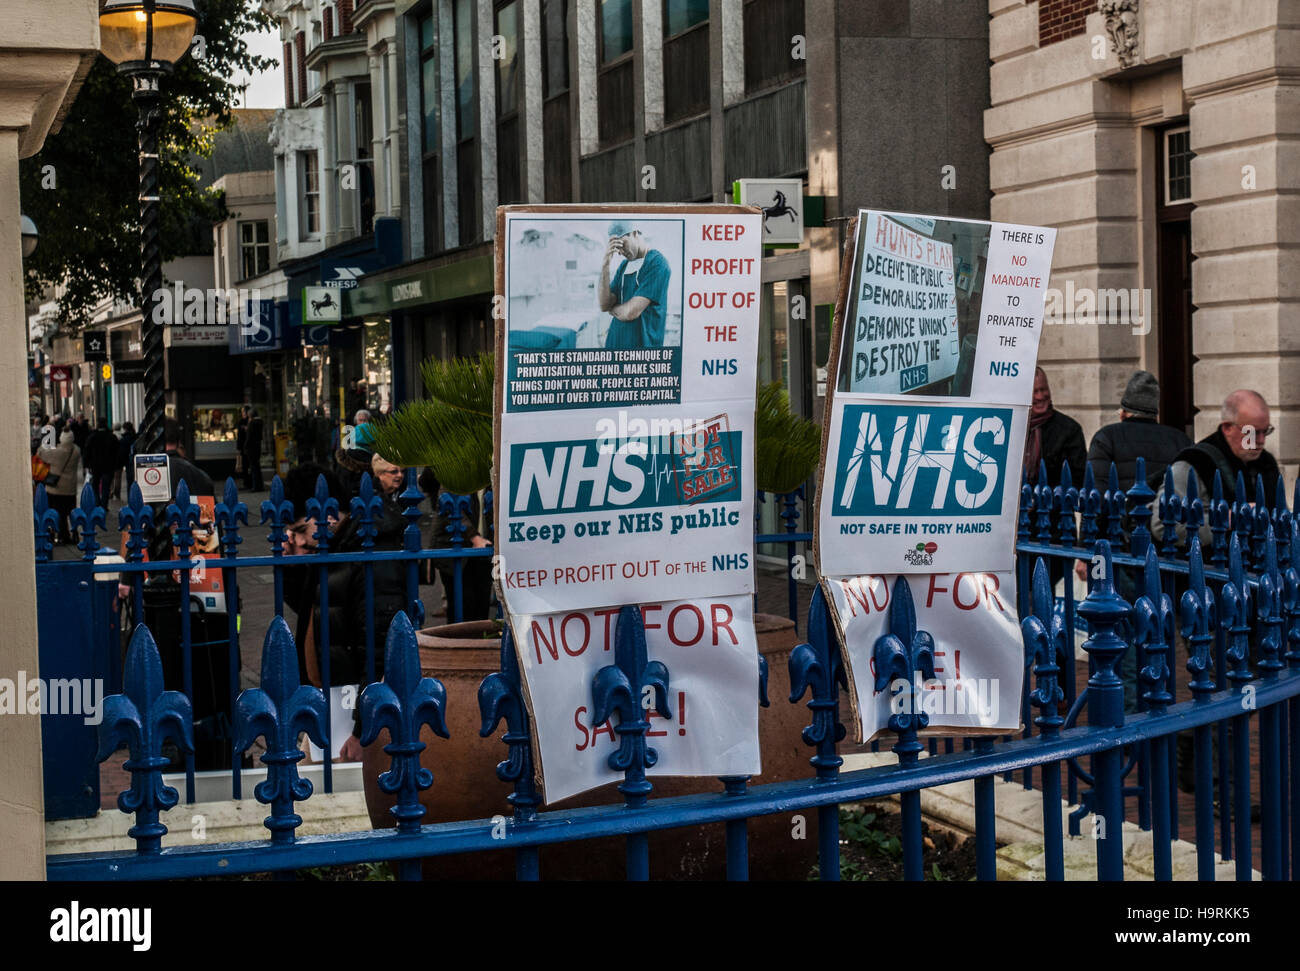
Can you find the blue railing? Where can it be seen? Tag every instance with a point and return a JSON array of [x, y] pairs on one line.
[[1243, 608]]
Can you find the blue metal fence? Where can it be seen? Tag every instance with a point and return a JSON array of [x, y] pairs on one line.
[[1242, 608]]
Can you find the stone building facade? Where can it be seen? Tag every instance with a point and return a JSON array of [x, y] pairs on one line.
[[1160, 137]]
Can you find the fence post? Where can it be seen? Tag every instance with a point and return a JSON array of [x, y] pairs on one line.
[[1153, 625], [816, 668], [1105, 612], [228, 514], [1045, 644]]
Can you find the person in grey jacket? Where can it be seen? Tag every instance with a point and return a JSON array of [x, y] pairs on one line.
[[1136, 434], [64, 461]]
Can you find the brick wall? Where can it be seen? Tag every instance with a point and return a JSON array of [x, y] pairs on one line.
[[1059, 19], [329, 23], [345, 16], [289, 101], [300, 45]]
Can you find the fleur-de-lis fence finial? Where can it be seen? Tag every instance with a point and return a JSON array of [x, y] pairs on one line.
[[1243, 514], [404, 702], [1066, 501], [322, 507], [1106, 611], [184, 516], [1220, 515], [142, 719], [1089, 507], [1198, 613], [277, 512], [229, 514], [1259, 524], [278, 711], [1268, 604], [815, 667], [1291, 598], [1153, 623], [1026, 507], [1193, 511], [904, 654], [1115, 506], [501, 698], [46, 522], [409, 499], [1043, 505], [1140, 496], [1282, 525], [1235, 610], [84, 519], [136, 520], [366, 505], [1171, 513], [620, 687], [1043, 633]]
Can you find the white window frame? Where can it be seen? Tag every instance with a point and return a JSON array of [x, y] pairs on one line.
[[304, 232], [1167, 135]]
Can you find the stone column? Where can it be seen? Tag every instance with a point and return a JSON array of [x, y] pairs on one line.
[[48, 48]]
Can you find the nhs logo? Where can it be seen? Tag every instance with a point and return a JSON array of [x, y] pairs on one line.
[[921, 460]]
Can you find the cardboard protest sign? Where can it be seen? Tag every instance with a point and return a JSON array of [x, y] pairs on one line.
[[627, 344], [711, 652], [925, 485], [978, 659], [926, 419], [932, 363], [627, 355]]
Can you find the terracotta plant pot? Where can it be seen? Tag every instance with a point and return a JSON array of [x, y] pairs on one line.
[[465, 785]]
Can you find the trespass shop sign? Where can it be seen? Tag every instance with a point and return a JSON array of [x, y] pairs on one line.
[[627, 342]]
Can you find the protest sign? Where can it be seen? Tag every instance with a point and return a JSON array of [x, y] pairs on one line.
[[711, 652], [924, 485], [627, 343], [626, 367], [926, 420], [978, 658], [933, 353]]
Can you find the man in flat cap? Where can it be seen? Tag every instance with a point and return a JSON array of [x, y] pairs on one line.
[[637, 295]]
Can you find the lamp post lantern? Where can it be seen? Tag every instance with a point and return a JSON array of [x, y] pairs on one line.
[[30, 236], [144, 38]]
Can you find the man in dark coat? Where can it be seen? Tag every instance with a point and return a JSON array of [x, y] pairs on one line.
[[1136, 434], [1237, 445], [1053, 437], [100, 458], [251, 450]]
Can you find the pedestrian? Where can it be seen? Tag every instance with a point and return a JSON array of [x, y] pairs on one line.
[[1236, 446], [1054, 438], [100, 456], [476, 573], [1137, 434], [63, 480], [251, 449], [125, 449]]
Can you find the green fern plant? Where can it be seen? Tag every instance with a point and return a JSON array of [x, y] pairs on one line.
[[787, 447], [450, 431]]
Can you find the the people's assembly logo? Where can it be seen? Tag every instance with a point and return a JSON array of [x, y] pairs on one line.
[[922, 554]]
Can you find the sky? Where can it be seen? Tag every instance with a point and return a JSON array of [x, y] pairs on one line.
[[267, 87]]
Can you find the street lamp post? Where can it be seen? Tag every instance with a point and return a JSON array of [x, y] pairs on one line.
[[144, 38]]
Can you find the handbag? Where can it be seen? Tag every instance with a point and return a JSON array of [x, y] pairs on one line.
[[52, 478]]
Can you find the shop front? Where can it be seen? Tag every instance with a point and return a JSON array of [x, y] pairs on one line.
[[440, 307]]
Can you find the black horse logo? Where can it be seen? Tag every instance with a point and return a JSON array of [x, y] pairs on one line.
[[778, 209], [318, 305]]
